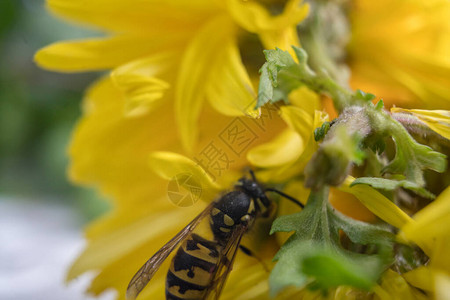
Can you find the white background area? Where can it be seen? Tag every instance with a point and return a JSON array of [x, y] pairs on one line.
[[39, 242]]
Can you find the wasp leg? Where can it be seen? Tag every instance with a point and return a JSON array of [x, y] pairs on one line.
[[250, 253]]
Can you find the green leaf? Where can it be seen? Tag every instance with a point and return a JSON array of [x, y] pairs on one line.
[[411, 158], [265, 89], [286, 273], [391, 185], [282, 74], [313, 254], [276, 61], [331, 269]]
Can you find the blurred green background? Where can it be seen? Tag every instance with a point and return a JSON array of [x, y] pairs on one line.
[[41, 214], [38, 110]]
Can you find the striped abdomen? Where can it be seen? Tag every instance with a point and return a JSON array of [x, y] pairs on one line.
[[192, 268]]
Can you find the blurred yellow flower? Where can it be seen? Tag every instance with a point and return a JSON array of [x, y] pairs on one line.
[[188, 52], [399, 50]]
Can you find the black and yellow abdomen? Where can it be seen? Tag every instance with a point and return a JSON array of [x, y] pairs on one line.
[[192, 268]]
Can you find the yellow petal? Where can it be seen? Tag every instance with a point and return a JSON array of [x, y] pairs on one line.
[[349, 205], [293, 117], [247, 281], [281, 150], [394, 286], [437, 120], [305, 99], [299, 120], [195, 69], [255, 18], [377, 203], [135, 15], [141, 84], [109, 247], [422, 278], [274, 31], [430, 223], [168, 165], [229, 88], [249, 15], [99, 153], [119, 253], [440, 259], [97, 53], [442, 286]]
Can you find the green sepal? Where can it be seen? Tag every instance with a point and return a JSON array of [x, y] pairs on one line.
[[331, 163], [391, 185], [380, 105], [320, 132], [411, 158], [316, 237], [281, 74], [366, 97]]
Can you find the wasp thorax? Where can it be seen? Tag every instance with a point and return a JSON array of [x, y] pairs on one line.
[[229, 211]]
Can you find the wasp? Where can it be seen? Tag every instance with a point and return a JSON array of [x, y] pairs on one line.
[[200, 266]]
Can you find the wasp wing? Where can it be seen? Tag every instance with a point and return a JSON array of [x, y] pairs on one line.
[[146, 272], [226, 263]]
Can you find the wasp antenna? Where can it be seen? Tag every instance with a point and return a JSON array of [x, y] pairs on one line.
[[285, 196], [252, 174]]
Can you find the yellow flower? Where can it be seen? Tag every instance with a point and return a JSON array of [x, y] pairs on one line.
[[174, 50], [400, 49], [112, 152], [166, 58]]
